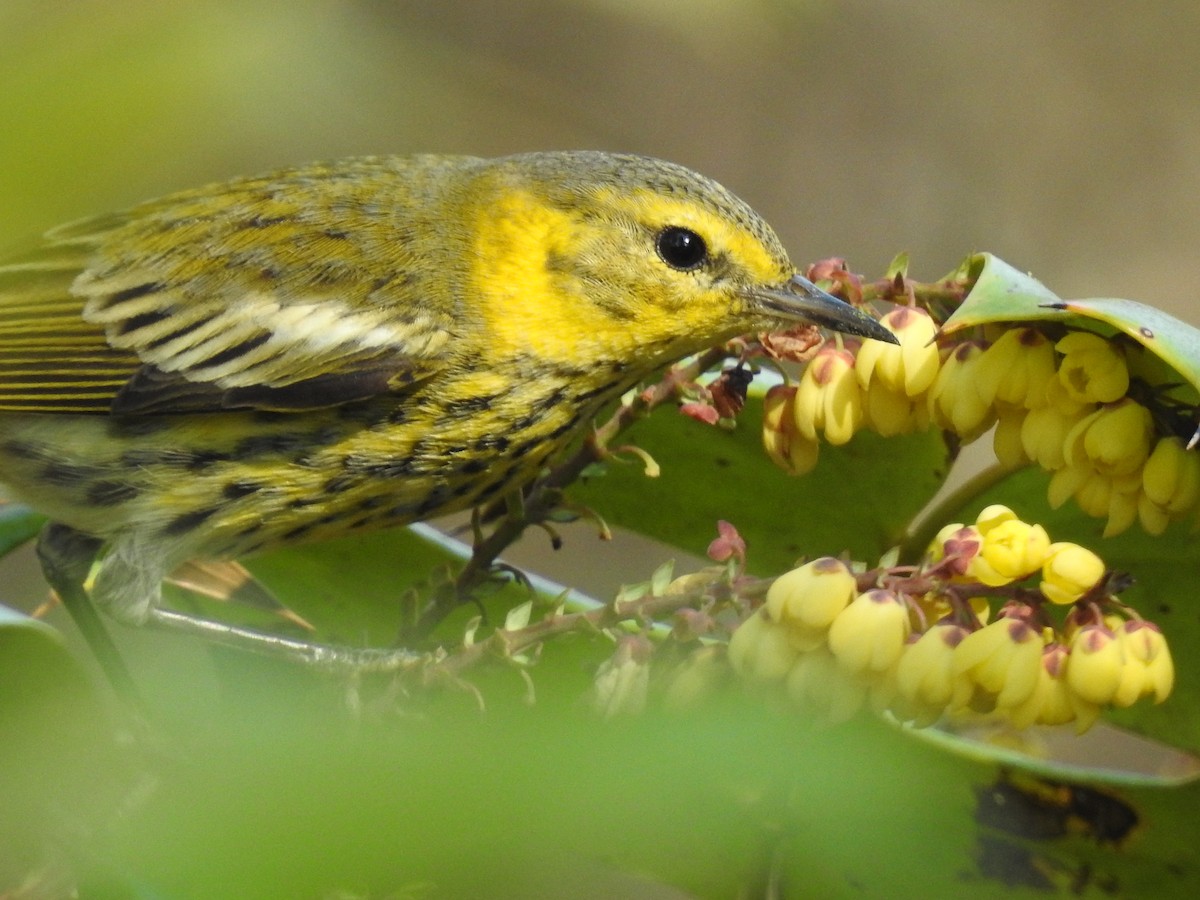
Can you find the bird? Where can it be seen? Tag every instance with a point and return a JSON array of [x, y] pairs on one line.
[[353, 344]]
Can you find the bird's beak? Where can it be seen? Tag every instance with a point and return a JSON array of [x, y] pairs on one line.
[[802, 300]]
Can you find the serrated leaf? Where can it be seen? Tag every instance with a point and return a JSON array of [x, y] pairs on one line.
[[1170, 339], [1002, 293]]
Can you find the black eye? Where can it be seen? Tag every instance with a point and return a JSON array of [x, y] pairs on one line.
[[681, 248]]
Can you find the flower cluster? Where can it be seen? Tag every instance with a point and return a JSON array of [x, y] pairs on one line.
[[971, 630], [1065, 404], [880, 386]]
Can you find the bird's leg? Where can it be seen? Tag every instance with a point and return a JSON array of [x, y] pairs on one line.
[[66, 556]]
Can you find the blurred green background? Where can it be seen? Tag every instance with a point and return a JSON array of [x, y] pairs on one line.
[[1063, 136]]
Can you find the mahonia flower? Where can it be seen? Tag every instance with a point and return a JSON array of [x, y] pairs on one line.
[[817, 683], [829, 398], [1006, 439], [908, 367], [1149, 669], [890, 412], [785, 445], [1052, 702], [1011, 549], [1069, 572], [869, 634], [925, 673], [1170, 484], [1014, 370], [1097, 664], [953, 399], [1044, 434], [1093, 369], [808, 599], [760, 649], [1002, 658], [1114, 440]]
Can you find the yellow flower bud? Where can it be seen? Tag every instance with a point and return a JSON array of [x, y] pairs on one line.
[[953, 399], [810, 597], [1069, 572], [889, 412], [1003, 658], [991, 516], [759, 649], [1011, 550], [782, 440], [1014, 370], [869, 634], [829, 398], [908, 367], [925, 674], [1171, 476], [1096, 664], [817, 683], [1052, 702], [1115, 439], [1044, 434], [1006, 439], [1149, 669], [1093, 369]]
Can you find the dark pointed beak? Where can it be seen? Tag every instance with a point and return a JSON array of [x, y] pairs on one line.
[[803, 301]]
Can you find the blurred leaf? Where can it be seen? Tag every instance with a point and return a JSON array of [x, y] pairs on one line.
[[18, 525], [858, 499]]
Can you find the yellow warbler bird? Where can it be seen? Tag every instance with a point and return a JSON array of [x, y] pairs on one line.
[[353, 345]]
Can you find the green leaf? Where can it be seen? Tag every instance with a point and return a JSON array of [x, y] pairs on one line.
[[859, 498], [1001, 293], [1170, 339], [18, 524]]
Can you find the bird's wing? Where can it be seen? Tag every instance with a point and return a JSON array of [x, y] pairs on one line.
[[271, 294]]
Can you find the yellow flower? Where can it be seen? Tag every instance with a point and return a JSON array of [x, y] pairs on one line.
[[1044, 434], [1002, 658], [807, 599], [1011, 550], [1069, 572], [1096, 665], [925, 674], [1171, 476], [890, 412], [759, 649], [782, 440], [953, 398], [1006, 439], [869, 634], [908, 367], [829, 398], [1014, 370], [1052, 702], [1093, 369], [817, 683], [1149, 669], [1114, 439]]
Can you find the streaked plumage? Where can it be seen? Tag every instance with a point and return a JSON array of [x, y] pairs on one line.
[[352, 345]]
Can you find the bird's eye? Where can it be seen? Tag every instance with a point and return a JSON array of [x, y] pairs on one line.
[[681, 248]]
